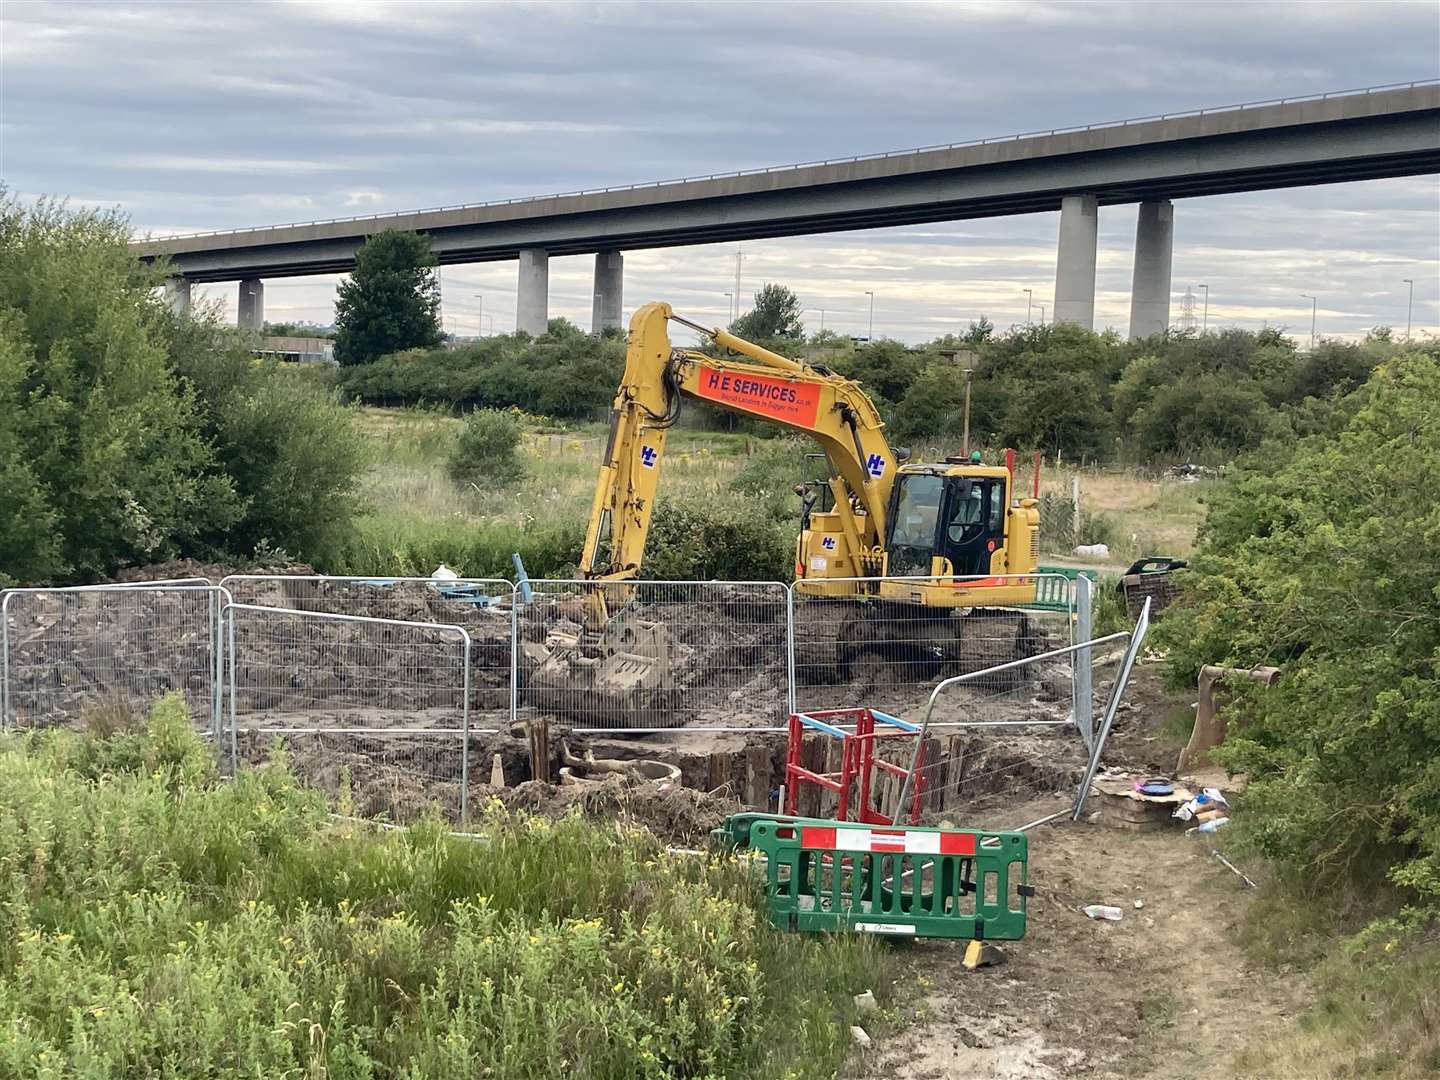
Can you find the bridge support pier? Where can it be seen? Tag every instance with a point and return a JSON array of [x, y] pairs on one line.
[[532, 296], [1075, 261], [251, 312], [177, 294], [1150, 288], [605, 312], [609, 281]]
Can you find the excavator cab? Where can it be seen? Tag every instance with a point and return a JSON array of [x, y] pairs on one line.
[[956, 515]]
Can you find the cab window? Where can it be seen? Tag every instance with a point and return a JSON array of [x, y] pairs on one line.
[[997, 507], [917, 511], [967, 512]]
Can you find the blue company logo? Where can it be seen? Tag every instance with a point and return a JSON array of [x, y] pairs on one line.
[[875, 464], [648, 456], [828, 543]]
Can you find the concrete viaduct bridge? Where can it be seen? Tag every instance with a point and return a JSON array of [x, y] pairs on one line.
[[1323, 139]]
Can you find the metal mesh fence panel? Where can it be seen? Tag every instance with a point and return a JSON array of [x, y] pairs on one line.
[[1000, 769], [380, 697], [66, 651], [485, 607], [890, 654], [1112, 704], [668, 655]]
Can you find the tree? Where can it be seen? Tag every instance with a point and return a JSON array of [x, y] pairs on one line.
[[1207, 416], [980, 332], [391, 301], [1319, 555], [297, 329], [776, 314], [1065, 413]]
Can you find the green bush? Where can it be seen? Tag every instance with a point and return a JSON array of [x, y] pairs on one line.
[[103, 459], [289, 448], [158, 922], [1318, 555], [560, 374], [136, 435], [699, 540], [1058, 388], [484, 453], [1209, 418]]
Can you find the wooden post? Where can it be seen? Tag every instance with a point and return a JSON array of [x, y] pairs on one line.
[[757, 777], [934, 774], [1075, 508], [539, 732], [720, 766]]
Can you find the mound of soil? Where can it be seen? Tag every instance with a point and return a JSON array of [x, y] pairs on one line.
[[402, 778]]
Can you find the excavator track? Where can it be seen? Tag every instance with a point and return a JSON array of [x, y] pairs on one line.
[[882, 643]]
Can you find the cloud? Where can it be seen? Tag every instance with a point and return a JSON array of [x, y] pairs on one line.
[[224, 164], [221, 116]]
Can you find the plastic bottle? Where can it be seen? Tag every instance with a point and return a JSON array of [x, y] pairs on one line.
[[1103, 911], [1210, 826]]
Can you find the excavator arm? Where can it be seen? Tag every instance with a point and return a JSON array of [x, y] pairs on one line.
[[829, 408]]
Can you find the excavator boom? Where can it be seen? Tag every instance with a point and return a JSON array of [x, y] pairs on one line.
[[829, 408]]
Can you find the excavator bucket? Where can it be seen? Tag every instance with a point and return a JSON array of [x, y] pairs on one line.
[[618, 677]]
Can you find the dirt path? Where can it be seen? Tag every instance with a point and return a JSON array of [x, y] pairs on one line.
[[1166, 992]]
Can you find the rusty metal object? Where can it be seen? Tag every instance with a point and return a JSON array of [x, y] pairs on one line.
[[1210, 725]]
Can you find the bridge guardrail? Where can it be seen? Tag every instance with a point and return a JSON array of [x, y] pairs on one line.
[[881, 155]]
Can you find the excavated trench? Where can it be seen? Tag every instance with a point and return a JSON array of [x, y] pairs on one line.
[[728, 669]]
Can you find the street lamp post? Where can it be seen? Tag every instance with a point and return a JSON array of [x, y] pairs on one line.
[[870, 334], [1205, 316], [730, 306], [1029, 299], [480, 316], [1409, 305], [1313, 304], [821, 310], [965, 445], [1042, 314]]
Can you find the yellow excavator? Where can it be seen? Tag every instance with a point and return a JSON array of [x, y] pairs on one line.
[[955, 529]]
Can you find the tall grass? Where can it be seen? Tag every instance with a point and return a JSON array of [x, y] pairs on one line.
[[420, 517], [158, 922], [1376, 1004]]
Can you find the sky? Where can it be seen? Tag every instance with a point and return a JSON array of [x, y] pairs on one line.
[[191, 116]]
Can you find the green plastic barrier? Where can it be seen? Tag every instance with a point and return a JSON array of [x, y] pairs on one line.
[[831, 876], [1052, 589]]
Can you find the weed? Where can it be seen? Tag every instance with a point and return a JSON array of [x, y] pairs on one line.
[[1377, 1010], [159, 922], [1176, 726], [1157, 1008], [110, 714]]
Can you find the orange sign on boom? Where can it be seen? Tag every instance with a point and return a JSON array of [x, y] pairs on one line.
[[781, 399]]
